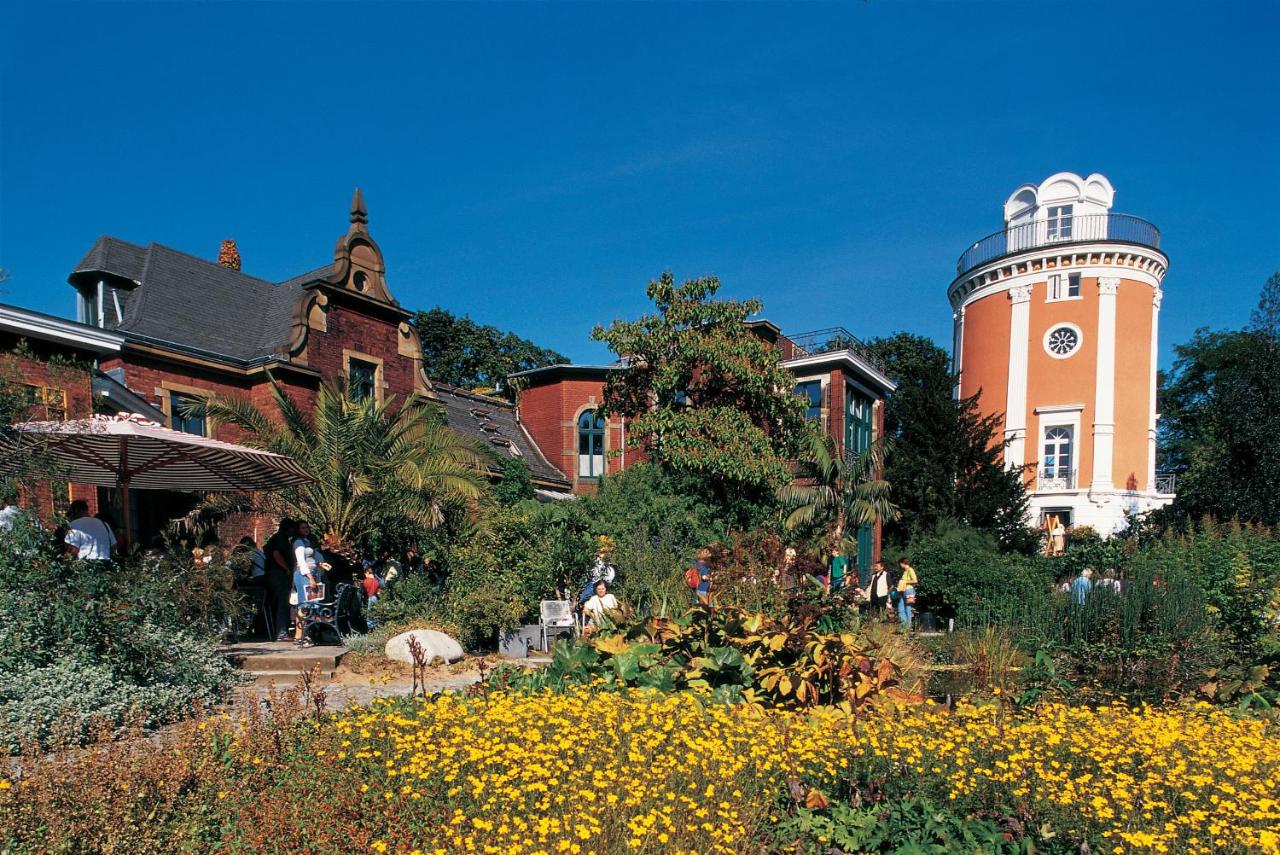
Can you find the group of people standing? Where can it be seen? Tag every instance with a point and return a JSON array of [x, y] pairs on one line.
[[882, 591], [1080, 585], [293, 571]]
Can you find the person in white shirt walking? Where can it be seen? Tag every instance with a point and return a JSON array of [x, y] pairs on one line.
[[88, 538]]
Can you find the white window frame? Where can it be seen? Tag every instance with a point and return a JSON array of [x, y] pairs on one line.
[[1057, 216], [1053, 416], [1054, 328], [1059, 288]]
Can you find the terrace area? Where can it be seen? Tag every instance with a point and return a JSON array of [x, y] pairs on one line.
[[833, 340], [1083, 228]]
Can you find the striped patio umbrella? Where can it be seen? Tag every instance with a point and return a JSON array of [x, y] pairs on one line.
[[131, 452]]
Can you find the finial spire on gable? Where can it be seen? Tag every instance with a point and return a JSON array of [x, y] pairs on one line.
[[359, 216]]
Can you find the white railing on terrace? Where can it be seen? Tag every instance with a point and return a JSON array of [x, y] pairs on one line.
[[1049, 482], [1080, 228]]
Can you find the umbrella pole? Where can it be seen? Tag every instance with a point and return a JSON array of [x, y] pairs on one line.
[[125, 516], [124, 496]]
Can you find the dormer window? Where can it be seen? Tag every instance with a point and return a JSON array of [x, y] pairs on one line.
[[1059, 222], [87, 308]]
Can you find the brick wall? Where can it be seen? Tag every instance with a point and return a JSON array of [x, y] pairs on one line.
[[350, 330], [60, 391], [550, 410], [153, 378]]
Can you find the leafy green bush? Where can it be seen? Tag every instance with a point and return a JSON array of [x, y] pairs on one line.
[[732, 655], [1236, 569], [410, 597], [964, 575], [904, 826], [93, 644]]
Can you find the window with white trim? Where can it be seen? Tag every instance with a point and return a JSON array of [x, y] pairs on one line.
[[1059, 222], [1055, 463], [1064, 287], [590, 444]]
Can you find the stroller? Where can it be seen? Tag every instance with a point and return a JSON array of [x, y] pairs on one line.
[[340, 611]]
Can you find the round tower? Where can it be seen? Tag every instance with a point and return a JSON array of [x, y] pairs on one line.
[[1056, 320]]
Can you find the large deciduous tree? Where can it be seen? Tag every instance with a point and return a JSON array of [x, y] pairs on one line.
[[703, 396], [1220, 416], [464, 353], [946, 459]]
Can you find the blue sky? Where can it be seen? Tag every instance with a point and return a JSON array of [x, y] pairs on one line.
[[535, 165]]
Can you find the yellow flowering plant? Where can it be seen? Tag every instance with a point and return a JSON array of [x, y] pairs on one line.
[[643, 771]]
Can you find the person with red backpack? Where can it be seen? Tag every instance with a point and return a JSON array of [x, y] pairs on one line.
[[698, 577]]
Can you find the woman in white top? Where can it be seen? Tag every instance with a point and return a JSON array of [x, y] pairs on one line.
[[304, 572], [601, 601]]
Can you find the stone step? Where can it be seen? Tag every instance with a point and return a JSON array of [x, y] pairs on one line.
[[291, 676], [283, 657]]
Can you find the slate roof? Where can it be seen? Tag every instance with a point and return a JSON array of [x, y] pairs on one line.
[[170, 296], [494, 423]]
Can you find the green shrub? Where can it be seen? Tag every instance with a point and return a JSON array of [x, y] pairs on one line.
[[91, 644], [410, 597], [730, 654], [965, 576], [906, 826]]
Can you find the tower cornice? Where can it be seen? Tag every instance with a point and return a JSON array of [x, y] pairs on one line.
[[1120, 260]]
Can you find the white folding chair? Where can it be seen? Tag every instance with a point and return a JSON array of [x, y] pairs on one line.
[[553, 617]]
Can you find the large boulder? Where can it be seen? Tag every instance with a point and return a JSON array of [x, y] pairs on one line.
[[436, 646]]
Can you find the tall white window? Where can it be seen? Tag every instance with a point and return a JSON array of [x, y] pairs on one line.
[[87, 307], [590, 445], [1059, 222], [1056, 462]]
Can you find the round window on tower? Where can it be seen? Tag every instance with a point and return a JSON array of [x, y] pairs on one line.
[[361, 280], [1063, 340]]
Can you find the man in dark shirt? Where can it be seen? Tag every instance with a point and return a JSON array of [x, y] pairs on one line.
[[279, 577]]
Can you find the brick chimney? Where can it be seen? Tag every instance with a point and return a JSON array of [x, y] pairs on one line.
[[228, 255]]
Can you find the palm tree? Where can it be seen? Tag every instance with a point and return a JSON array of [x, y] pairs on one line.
[[376, 467], [838, 492]]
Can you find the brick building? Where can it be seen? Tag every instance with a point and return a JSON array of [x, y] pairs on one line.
[[52, 360], [842, 382], [189, 328], [159, 329]]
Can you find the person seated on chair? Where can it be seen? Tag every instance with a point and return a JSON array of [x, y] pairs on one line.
[[601, 601]]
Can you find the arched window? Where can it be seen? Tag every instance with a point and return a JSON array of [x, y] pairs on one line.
[[590, 445], [1057, 453]]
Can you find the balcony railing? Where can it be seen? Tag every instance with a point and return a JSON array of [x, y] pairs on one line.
[[834, 340], [1166, 483], [1050, 482], [1082, 228]]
